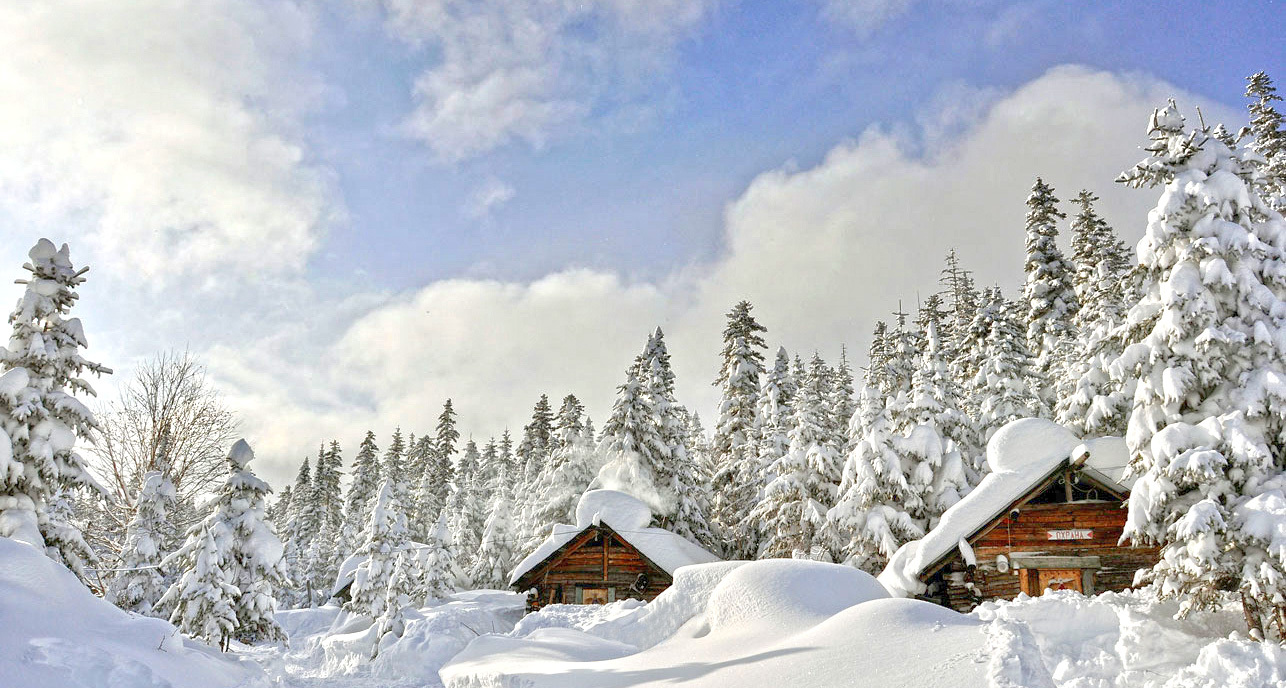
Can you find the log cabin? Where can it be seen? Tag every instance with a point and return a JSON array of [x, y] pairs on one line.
[[610, 554], [1050, 515]]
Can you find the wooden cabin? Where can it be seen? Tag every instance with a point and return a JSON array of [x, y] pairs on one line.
[[1054, 522], [611, 554]]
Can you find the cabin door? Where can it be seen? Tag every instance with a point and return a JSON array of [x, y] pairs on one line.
[[594, 595], [1057, 579]]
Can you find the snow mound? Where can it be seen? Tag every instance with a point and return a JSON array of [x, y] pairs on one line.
[[241, 453], [56, 634], [616, 509], [787, 594], [1029, 444], [1020, 454]]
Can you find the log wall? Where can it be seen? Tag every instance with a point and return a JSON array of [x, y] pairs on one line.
[[596, 559]]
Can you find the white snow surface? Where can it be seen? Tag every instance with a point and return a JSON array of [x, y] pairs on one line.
[[1019, 454], [629, 518], [54, 633]]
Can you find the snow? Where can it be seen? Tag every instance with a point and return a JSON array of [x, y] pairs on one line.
[[56, 634], [787, 594], [1107, 458], [241, 453], [623, 514], [1019, 455]]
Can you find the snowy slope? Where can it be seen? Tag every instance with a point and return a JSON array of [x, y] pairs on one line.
[[55, 634]]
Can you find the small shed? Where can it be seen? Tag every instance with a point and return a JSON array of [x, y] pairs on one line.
[[1049, 515], [610, 554]]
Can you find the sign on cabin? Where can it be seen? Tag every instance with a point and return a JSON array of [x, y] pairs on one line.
[[1072, 534]]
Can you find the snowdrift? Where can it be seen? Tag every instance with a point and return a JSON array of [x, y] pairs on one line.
[[797, 623], [56, 634]]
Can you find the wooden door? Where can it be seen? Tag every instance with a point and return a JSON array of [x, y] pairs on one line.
[[1058, 579], [594, 595]]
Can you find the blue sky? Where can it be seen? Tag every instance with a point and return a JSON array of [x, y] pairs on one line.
[[353, 209]]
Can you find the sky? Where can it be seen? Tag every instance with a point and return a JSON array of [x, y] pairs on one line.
[[351, 210]]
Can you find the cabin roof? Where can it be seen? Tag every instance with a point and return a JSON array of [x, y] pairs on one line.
[[620, 514], [1023, 456]]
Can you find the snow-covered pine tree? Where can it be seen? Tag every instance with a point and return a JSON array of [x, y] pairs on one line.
[[774, 422], [140, 583], [1206, 343], [636, 453], [569, 424], [841, 403], [279, 512], [395, 469], [1002, 389], [361, 492], [438, 561], [1270, 138], [467, 504], [444, 450], [1096, 404], [961, 297], [537, 439], [428, 496], [870, 519], [1048, 296], [384, 541], [792, 514], [933, 437], [231, 562], [40, 420], [699, 445], [735, 443], [496, 556]]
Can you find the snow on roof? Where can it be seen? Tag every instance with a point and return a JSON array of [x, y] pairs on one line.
[[1019, 455], [629, 518], [1108, 458]]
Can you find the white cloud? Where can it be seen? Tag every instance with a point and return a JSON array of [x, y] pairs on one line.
[[485, 199], [821, 252], [162, 131], [865, 16], [529, 71]]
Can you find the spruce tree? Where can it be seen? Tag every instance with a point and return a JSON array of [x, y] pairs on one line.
[[1097, 404], [735, 446], [232, 564], [537, 438], [961, 302], [496, 556], [466, 508], [1003, 388], [40, 420], [1048, 294], [637, 454], [841, 402], [385, 540], [1269, 138], [1205, 343], [792, 514], [140, 583], [361, 492]]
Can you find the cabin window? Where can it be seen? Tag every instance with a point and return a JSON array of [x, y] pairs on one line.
[[595, 595], [1062, 492]]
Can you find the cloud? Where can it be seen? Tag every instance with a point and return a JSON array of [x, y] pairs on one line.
[[492, 194], [528, 71], [864, 16], [163, 132]]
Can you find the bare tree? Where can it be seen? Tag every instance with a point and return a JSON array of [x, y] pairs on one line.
[[169, 391]]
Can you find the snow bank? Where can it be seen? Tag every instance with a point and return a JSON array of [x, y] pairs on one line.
[[1020, 454], [328, 642], [54, 633], [629, 518], [787, 594], [782, 622]]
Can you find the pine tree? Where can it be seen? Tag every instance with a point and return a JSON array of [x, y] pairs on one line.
[[444, 447], [933, 437], [361, 492], [39, 418], [323, 555], [302, 520], [870, 519], [792, 514], [232, 564], [496, 556], [1002, 388], [1096, 404], [841, 402], [961, 301], [1205, 343], [438, 562], [569, 425], [141, 583], [774, 421], [1048, 295], [385, 540], [636, 452], [466, 507], [734, 446], [395, 468], [1269, 137], [537, 440]]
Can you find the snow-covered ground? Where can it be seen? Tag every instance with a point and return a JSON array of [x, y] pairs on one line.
[[775, 622]]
